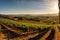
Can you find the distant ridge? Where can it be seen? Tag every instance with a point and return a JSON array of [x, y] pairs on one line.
[[30, 15]]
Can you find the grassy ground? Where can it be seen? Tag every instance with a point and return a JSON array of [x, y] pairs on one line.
[[26, 23]]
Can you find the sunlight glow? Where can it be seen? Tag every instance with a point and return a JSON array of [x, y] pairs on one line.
[[56, 8]]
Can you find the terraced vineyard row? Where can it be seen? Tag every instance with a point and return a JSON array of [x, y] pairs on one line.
[[57, 34], [28, 35], [47, 34], [10, 31]]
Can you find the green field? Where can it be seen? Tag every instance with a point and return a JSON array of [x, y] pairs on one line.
[[22, 23], [32, 29]]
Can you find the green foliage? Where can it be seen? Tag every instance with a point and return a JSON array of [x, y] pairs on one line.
[[22, 24]]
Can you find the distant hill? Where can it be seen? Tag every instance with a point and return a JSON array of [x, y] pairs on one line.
[[31, 15]]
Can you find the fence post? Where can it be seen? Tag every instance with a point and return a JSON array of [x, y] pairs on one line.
[[59, 10]]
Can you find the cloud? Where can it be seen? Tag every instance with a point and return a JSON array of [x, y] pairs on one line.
[[28, 5]]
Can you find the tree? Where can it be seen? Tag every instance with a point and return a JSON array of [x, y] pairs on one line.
[[59, 10]]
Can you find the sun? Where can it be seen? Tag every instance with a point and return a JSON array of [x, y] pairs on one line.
[[56, 8]]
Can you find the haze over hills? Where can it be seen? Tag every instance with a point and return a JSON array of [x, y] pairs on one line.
[[56, 14]]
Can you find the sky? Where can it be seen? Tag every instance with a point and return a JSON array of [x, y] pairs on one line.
[[29, 7]]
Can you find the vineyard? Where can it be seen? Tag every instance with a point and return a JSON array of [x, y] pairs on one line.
[[15, 30]]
